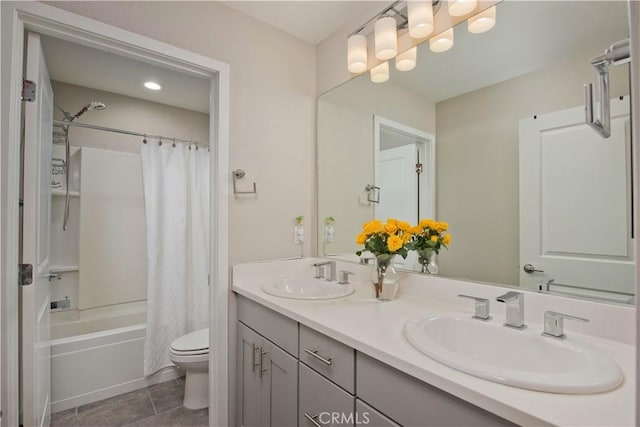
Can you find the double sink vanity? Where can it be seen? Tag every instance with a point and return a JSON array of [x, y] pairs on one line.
[[500, 356]]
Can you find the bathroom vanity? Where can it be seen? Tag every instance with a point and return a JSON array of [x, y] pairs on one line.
[[346, 361]]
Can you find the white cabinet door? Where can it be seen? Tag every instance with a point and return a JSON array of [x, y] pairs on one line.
[[575, 201], [36, 350]]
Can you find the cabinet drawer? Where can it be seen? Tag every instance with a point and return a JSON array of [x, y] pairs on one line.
[[368, 416], [279, 329], [411, 402], [327, 356], [323, 403]]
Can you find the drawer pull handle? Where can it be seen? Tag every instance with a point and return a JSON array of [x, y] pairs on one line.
[[314, 353], [312, 419]]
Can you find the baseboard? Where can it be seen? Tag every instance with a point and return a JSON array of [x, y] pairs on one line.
[[83, 399]]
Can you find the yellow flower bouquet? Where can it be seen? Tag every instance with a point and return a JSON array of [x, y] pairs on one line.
[[385, 240], [429, 237]]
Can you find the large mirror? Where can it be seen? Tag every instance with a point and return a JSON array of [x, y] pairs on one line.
[[489, 137]]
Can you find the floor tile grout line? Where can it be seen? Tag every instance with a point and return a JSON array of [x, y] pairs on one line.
[[151, 400]]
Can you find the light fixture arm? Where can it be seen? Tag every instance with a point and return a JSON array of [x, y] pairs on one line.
[[398, 11], [618, 53]]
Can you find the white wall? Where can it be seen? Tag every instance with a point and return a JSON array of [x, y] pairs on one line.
[[272, 111], [124, 112], [477, 157], [345, 150]]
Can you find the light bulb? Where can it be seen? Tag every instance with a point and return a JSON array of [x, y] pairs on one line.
[[461, 7], [406, 61], [386, 38], [380, 73], [152, 85], [482, 22], [357, 53], [420, 18], [442, 42]]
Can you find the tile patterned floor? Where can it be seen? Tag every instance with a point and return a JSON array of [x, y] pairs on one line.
[[158, 405]]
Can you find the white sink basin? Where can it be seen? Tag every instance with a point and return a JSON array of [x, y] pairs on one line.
[[520, 358], [306, 288]]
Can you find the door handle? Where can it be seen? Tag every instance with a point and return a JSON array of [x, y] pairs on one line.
[[528, 268], [262, 369], [253, 357], [314, 353]]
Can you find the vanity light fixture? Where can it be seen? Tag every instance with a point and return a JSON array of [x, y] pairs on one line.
[[482, 22], [420, 16], [461, 7], [442, 42], [357, 53], [152, 85], [380, 73], [386, 38], [406, 61]]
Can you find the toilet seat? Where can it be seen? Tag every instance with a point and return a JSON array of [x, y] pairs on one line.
[[192, 344]]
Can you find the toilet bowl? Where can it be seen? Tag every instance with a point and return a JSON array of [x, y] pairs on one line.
[[190, 353]]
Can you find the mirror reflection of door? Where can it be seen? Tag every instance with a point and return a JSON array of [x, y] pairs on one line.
[[405, 174], [575, 198]]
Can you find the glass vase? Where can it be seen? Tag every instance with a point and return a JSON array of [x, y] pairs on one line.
[[427, 261], [385, 278]]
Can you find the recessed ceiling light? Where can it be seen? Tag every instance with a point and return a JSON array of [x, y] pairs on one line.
[[152, 86]]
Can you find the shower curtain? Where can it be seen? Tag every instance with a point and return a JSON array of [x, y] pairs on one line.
[[176, 193]]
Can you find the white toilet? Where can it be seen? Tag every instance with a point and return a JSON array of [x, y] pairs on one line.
[[191, 354]]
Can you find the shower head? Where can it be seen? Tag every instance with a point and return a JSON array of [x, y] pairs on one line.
[[91, 106]]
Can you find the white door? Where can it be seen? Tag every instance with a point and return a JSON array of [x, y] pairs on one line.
[[398, 182], [575, 202], [36, 350]]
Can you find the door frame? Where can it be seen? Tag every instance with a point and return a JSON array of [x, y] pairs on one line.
[[427, 206], [17, 17]]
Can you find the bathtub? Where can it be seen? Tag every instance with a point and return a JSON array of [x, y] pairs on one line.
[[99, 353]]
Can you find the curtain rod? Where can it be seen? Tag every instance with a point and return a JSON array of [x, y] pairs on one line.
[[127, 132]]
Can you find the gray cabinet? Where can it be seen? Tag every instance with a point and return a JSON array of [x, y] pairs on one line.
[[412, 402], [328, 357], [322, 403], [368, 416], [292, 375], [267, 382]]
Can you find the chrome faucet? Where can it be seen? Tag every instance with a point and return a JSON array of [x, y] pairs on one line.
[[481, 307], [515, 309], [320, 270], [554, 324], [545, 284]]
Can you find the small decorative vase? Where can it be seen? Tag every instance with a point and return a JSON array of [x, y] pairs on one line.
[[427, 261], [385, 278]]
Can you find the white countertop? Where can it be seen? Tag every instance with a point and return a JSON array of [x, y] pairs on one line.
[[376, 328]]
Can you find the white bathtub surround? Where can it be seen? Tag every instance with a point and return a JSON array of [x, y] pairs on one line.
[[376, 329], [176, 188]]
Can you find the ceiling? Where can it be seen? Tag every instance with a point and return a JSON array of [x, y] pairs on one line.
[[528, 36], [83, 66], [308, 20]]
